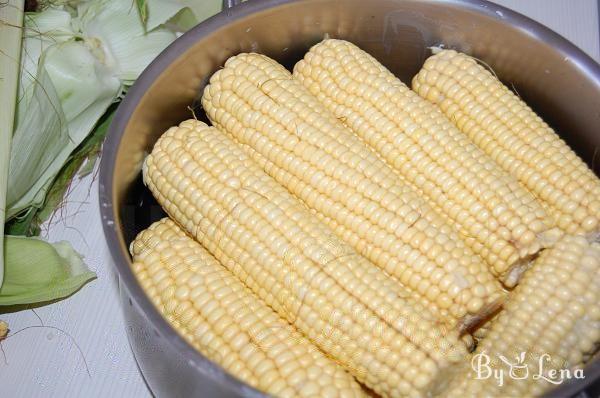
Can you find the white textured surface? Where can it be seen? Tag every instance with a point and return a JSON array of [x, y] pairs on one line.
[[577, 20], [45, 363]]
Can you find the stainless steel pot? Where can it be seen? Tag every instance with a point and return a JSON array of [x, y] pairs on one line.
[[556, 78]]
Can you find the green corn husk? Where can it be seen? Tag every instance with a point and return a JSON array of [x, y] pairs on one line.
[[118, 37], [11, 14], [38, 271], [73, 68], [78, 58], [58, 107]]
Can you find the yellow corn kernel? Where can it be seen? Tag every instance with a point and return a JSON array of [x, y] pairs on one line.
[[306, 149], [498, 218], [344, 304], [227, 323], [550, 322], [3, 330], [508, 130]]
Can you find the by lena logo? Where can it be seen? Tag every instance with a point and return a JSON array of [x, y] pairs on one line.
[[542, 368]]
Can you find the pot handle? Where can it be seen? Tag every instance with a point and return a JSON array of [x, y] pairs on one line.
[[230, 3]]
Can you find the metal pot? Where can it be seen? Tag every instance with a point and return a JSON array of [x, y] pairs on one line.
[[552, 75]]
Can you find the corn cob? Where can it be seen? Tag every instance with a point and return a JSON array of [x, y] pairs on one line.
[[226, 322], [306, 149], [346, 306], [502, 125], [499, 219], [552, 316], [3, 330]]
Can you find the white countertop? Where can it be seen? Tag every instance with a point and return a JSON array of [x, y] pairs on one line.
[[44, 362]]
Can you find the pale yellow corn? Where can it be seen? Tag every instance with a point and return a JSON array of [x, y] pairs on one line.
[[3, 330], [550, 322], [226, 322], [306, 149], [498, 218], [510, 132], [344, 304]]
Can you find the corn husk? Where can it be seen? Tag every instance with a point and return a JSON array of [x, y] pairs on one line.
[[39, 271], [78, 58], [124, 43], [11, 14], [203, 9], [59, 106], [72, 70]]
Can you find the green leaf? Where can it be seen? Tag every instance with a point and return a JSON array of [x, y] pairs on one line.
[[37, 271], [142, 7]]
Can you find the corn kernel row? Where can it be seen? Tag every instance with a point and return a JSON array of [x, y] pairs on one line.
[[227, 323], [345, 305], [550, 322], [307, 150], [499, 219], [508, 130]]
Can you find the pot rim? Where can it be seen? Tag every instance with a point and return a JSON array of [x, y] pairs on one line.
[[111, 225]]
